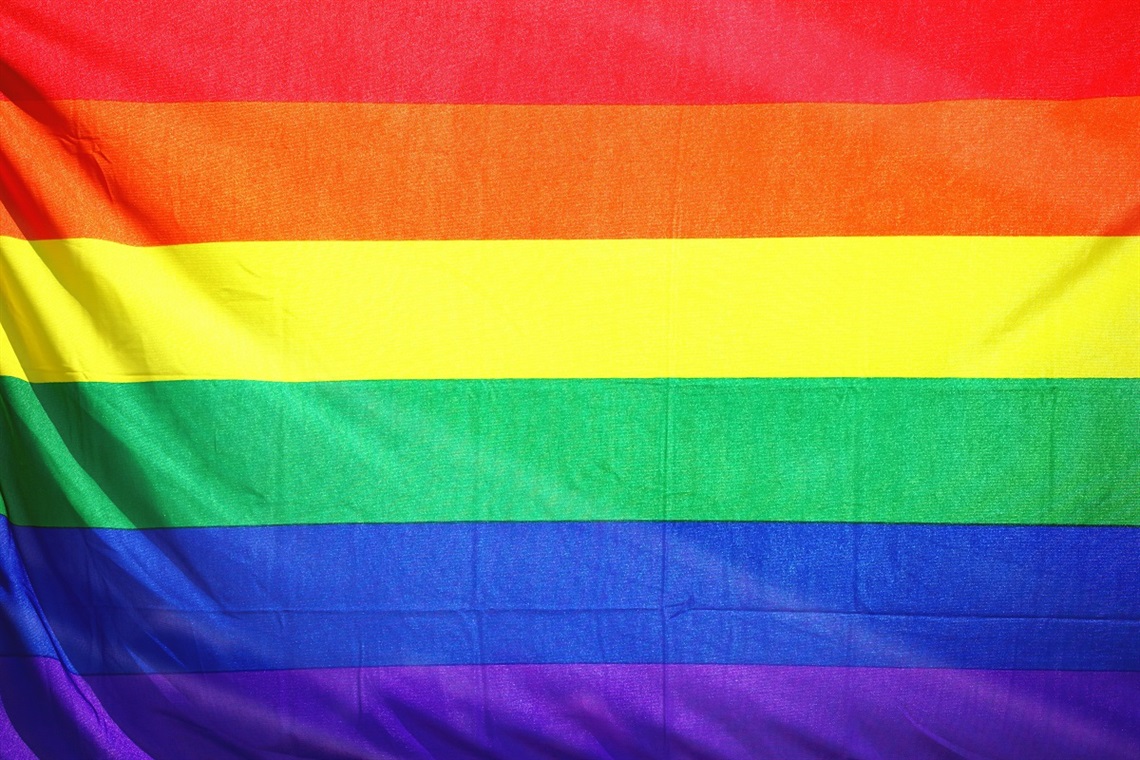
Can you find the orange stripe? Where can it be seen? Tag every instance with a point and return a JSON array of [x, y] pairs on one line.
[[151, 174]]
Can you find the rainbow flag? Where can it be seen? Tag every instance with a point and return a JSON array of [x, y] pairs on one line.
[[566, 379]]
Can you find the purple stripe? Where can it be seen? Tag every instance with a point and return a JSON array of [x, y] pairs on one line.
[[51, 712], [519, 711], [12, 745]]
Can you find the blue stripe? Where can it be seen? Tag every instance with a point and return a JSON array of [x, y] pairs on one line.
[[206, 599], [22, 628]]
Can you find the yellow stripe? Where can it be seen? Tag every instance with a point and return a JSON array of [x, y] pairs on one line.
[[787, 307]]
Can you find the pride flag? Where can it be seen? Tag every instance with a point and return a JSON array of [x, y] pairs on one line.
[[567, 379]]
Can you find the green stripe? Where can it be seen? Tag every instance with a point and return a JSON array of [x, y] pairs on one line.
[[194, 453]]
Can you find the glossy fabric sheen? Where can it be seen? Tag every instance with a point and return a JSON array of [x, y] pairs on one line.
[[607, 51], [200, 453], [91, 310], [614, 711], [468, 593], [368, 171], [539, 379]]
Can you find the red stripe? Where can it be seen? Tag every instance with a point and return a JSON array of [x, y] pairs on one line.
[[570, 51]]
